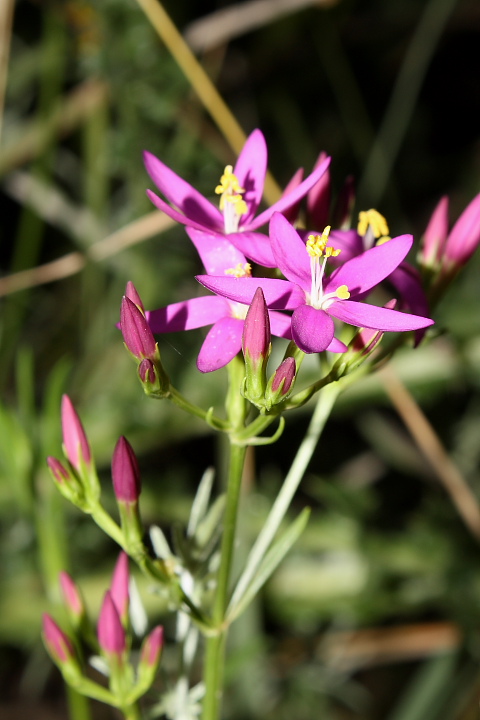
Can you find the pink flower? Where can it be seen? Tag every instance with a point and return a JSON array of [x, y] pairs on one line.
[[240, 190], [316, 300], [224, 339], [450, 250], [75, 440], [71, 595]]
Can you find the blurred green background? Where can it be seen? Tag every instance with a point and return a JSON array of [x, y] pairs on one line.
[[376, 614]]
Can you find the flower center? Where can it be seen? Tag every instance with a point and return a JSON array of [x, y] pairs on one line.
[[240, 270], [373, 228], [232, 203], [319, 253]]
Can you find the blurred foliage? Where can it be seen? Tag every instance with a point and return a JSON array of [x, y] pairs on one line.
[[384, 547]]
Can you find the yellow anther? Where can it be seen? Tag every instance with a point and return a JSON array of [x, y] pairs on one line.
[[383, 239], [317, 245], [237, 201], [230, 191], [373, 219], [241, 270], [342, 292]]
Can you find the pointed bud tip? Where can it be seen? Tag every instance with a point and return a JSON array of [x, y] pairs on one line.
[[125, 472], [58, 643], [75, 440], [110, 632]]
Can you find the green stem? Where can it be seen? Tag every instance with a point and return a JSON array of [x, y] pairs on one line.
[[322, 412], [214, 659], [177, 398]]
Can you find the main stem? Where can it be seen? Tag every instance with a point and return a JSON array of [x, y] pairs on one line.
[[215, 652]]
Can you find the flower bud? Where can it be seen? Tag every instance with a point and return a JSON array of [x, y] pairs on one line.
[[256, 347], [59, 471], [132, 294], [464, 237], [150, 654], [110, 632], [58, 644], [72, 598], [65, 480], [435, 236], [292, 212], [281, 383], [119, 589], [125, 473], [136, 331], [75, 440]]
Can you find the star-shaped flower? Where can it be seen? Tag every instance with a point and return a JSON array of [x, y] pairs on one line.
[[240, 190], [224, 339], [317, 300]]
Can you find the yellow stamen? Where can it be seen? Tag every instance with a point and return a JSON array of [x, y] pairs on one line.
[[230, 191], [342, 292], [317, 245], [373, 219], [241, 270]]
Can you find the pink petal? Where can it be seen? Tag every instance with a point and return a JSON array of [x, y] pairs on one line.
[[377, 318], [188, 314], [178, 217], [280, 325], [318, 199], [279, 294], [216, 252], [465, 234], [337, 346], [287, 201], [291, 213], [250, 169], [435, 235], [290, 252], [223, 342], [255, 246], [363, 272], [312, 329], [181, 194], [407, 281]]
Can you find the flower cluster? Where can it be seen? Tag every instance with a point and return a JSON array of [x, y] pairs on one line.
[[314, 282]]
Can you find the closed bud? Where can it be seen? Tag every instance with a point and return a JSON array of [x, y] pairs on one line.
[[136, 331], [150, 655], [256, 347], [281, 383], [119, 588], [75, 440], [66, 481], [464, 237], [72, 598], [132, 294], [434, 237], [58, 644], [125, 473], [318, 198], [110, 632]]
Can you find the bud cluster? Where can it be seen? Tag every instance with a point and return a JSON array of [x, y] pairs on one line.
[[112, 639]]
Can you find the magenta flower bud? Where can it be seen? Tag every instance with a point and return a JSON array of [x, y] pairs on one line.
[[152, 647], [318, 198], [72, 596], [435, 235], [75, 440], [59, 471], [125, 473], [110, 632], [256, 348], [281, 383], [132, 294], [119, 587], [59, 645], [136, 331], [146, 372], [464, 237], [256, 331], [284, 376]]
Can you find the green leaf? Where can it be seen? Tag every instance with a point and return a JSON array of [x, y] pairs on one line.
[[269, 564]]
